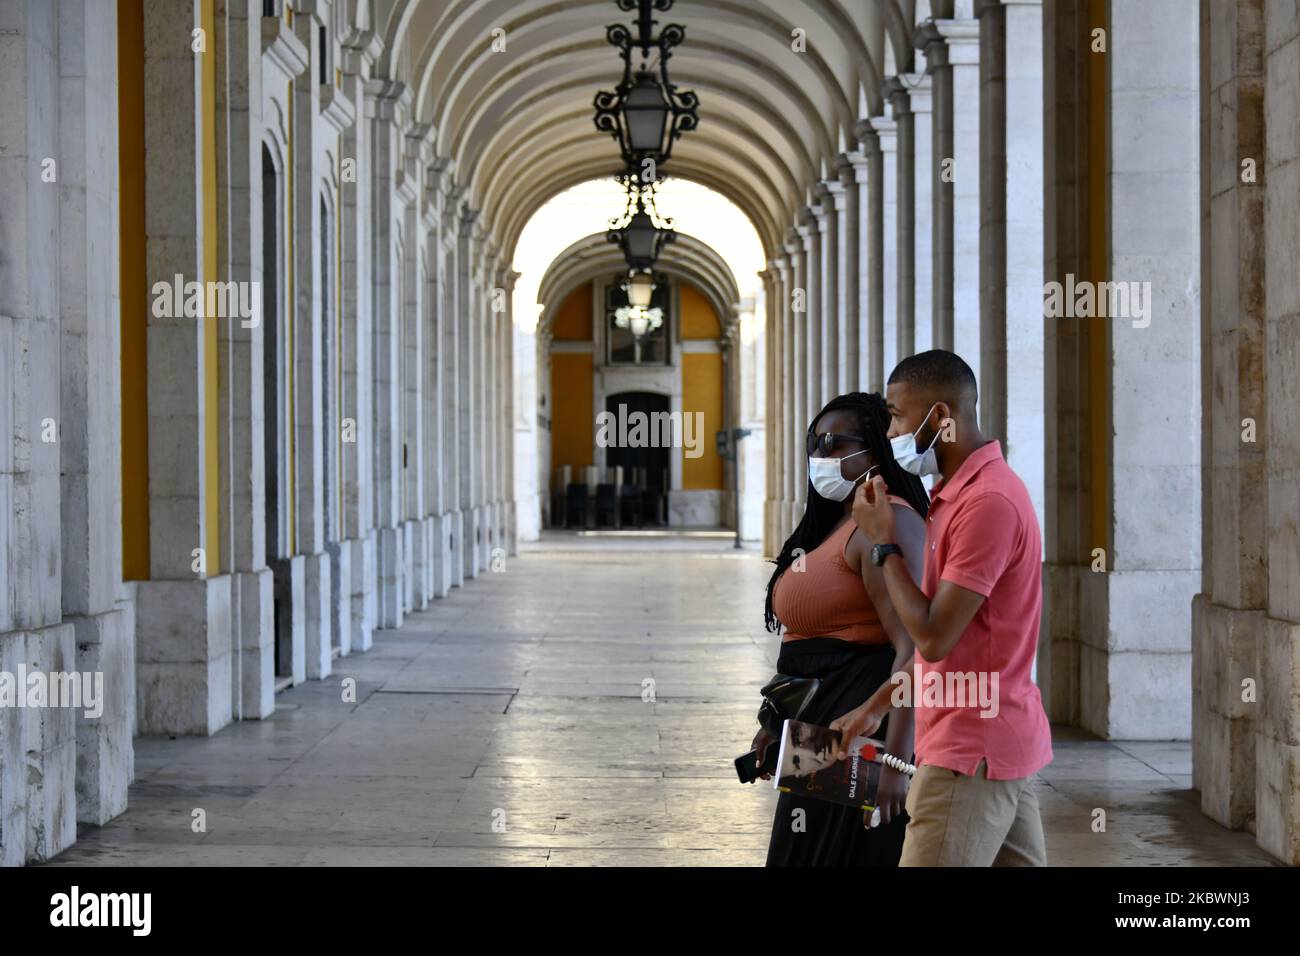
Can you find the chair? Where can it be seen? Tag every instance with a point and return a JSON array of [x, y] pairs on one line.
[[607, 504], [629, 500], [575, 504]]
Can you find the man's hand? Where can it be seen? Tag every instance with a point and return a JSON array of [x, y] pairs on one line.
[[873, 513], [861, 721]]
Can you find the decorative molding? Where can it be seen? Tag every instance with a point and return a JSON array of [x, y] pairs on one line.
[[282, 50]]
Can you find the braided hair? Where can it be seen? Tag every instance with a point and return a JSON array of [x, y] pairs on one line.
[[821, 515]]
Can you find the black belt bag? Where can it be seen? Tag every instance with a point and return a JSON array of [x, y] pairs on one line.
[[785, 698]]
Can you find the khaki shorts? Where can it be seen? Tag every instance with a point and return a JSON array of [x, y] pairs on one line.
[[958, 820]]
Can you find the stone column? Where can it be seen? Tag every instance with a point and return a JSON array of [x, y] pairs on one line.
[[310, 373], [951, 50], [1277, 731], [796, 483], [1228, 615], [831, 194], [853, 277], [784, 318], [469, 383], [451, 374], [887, 136], [1011, 240], [237, 47], [921, 208], [873, 233], [357, 519], [183, 612], [904, 226], [386, 104], [810, 233]]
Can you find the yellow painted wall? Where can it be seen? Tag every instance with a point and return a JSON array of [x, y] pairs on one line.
[[573, 423], [572, 322], [134, 291], [698, 320], [702, 392]]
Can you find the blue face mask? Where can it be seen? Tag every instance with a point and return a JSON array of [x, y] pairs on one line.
[[919, 463]]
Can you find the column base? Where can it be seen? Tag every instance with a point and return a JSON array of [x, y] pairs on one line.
[[38, 752], [416, 558], [340, 553], [319, 598], [256, 644], [183, 656], [389, 558], [361, 608], [105, 753]]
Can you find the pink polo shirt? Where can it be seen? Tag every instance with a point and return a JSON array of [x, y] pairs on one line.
[[982, 535]]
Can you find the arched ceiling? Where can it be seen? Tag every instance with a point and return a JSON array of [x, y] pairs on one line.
[[517, 124], [592, 257]]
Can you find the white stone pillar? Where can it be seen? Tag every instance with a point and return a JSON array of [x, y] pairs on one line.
[[1011, 244], [831, 196], [358, 512], [1277, 731], [468, 383], [183, 623], [873, 234], [951, 50], [237, 47], [796, 483], [921, 209], [810, 232], [853, 277], [310, 373], [386, 103], [887, 137], [1228, 616]]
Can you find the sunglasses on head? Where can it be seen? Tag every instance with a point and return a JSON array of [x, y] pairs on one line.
[[820, 446]]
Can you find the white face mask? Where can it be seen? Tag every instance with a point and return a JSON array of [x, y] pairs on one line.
[[919, 463], [827, 480]]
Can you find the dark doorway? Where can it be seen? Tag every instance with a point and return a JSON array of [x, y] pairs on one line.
[[645, 467]]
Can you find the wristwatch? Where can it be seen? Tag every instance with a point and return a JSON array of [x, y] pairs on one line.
[[881, 551]]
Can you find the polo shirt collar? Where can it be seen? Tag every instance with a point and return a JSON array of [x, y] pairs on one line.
[[950, 488]]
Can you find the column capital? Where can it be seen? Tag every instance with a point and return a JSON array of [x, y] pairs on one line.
[[886, 130], [386, 99], [866, 135], [852, 167], [831, 194], [948, 42], [359, 51]]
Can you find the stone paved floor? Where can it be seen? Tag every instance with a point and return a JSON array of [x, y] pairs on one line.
[[522, 695]]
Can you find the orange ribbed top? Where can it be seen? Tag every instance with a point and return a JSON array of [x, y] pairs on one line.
[[827, 598]]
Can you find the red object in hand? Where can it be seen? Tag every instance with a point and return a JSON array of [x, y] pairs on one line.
[[867, 752]]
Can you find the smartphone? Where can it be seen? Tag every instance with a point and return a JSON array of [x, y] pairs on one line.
[[747, 764]]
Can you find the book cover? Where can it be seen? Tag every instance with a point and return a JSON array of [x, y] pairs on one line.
[[807, 764]]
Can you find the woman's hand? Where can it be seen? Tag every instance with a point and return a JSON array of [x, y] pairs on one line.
[[891, 795], [861, 721], [762, 740]]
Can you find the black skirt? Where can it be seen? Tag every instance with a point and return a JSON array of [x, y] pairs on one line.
[[833, 834]]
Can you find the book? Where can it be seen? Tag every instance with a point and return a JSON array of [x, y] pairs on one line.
[[807, 764]]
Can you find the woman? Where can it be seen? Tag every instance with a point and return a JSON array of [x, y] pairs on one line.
[[841, 628]]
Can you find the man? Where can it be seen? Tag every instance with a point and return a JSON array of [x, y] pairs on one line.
[[972, 801]]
